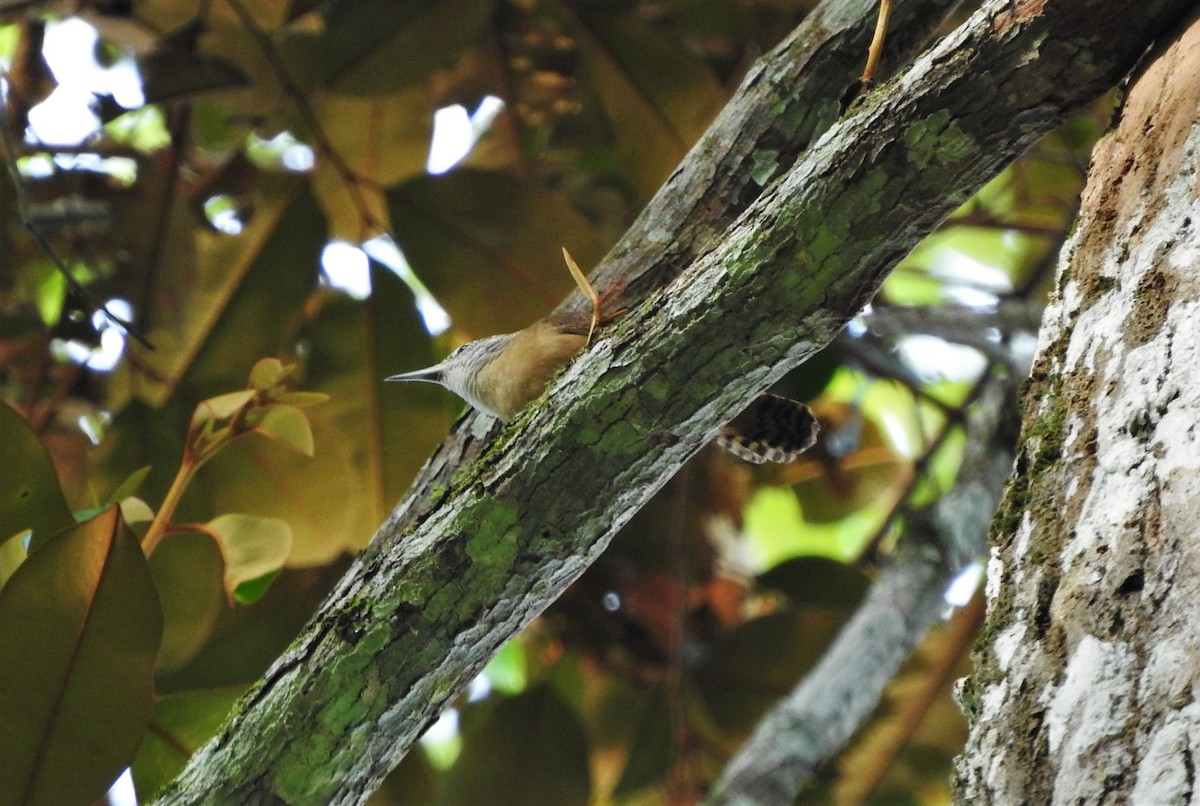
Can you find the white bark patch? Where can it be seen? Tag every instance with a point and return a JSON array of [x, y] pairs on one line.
[[1106, 317], [995, 574], [1176, 433], [1165, 774], [1114, 497], [1083, 713], [1007, 644], [1024, 535], [1169, 672]]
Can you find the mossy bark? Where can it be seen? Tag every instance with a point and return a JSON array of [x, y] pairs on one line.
[[726, 303]]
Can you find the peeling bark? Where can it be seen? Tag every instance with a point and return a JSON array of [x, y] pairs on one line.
[[1084, 689], [469, 559]]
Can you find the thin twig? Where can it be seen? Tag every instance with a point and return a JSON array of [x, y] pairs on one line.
[[324, 146], [10, 6], [920, 466], [875, 51], [162, 226], [678, 784]]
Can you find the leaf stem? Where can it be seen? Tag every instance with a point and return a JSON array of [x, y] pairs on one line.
[[158, 526]]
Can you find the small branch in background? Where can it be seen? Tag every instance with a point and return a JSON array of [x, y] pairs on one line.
[[987, 330], [980, 219], [876, 358], [12, 6], [29, 222], [871, 765], [816, 719], [324, 146], [180, 127], [871, 552]]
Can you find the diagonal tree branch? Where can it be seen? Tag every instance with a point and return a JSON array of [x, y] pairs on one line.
[[445, 583]]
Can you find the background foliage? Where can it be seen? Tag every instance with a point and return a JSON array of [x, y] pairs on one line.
[[204, 215]]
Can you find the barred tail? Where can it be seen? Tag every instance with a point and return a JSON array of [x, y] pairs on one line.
[[771, 429]]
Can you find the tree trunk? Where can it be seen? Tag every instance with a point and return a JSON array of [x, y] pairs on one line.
[[1084, 688], [464, 564]]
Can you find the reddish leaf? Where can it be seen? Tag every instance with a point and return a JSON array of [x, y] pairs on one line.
[[80, 627]]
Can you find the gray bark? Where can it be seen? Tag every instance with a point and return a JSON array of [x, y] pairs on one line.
[[466, 562], [1085, 681]]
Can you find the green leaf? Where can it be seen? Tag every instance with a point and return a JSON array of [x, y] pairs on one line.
[[528, 749], [82, 515], [652, 747], [817, 581], [12, 554], [778, 530], [30, 496], [222, 407], [288, 425], [130, 485], [301, 399], [252, 546], [268, 373], [250, 592], [371, 47], [134, 511], [80, 626], [496, 266], [181, 724], [507, 671], [168, 75], [658, 97], [187, 569]]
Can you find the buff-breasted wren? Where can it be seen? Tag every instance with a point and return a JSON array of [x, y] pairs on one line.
[[500, 375]]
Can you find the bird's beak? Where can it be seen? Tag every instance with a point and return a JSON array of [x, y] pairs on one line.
[[430, 374]]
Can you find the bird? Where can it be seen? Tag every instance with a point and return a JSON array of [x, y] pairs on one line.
[[500, 375]]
